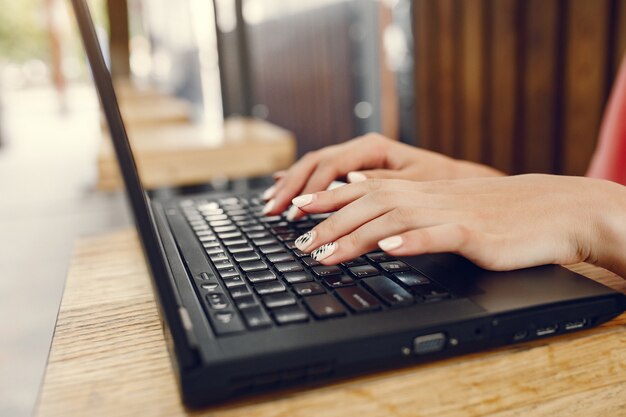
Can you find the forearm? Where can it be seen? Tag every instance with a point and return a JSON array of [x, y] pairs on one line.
[[609, 242]]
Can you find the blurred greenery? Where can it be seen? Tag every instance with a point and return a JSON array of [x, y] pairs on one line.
[[23, 30]]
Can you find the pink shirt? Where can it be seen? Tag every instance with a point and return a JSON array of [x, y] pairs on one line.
[[609, 159]]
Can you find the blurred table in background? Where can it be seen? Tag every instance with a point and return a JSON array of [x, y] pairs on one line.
[[109, 358], [171, 150]]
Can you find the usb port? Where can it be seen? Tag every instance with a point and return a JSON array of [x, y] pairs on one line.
[[544, 331], [577, 324]]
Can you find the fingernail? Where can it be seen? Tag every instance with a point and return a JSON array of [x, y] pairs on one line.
[[390, 243], [269, 206], [355, 176], [302, 200], [324, 251], [292, 213], [269, 193], [305, 240]]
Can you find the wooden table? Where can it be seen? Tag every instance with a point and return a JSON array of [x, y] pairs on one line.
[[108, 358], [176, 154]]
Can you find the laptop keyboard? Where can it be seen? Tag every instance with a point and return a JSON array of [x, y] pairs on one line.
[[264, 280]]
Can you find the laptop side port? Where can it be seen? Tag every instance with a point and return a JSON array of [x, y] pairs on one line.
[[575, 324], [429, 343], [547, 330], [520, 335]]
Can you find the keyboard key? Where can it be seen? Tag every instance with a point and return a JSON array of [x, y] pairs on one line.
[[287, 237], [240, 248], [228, 272], [252, 228], [290, 314], [411, 278], [338, 281], [235, 241], [216, 217], [272, 249], [288, 267], [215, 224], [229, 235], [326, 270], [308, 261], [215, 249], [379, 257], [364, 271], [224, 229], [297, 277], [245, 223], [395, 266], [269, 287], [271, 219], [280, 257], [210, 287], [253, 266], [208, 277], [223, 264], [233, 282], [211, 244], [431, 292], [358, 299], [324, 306], [241, 218], [392, 293], [261, 276], [217, 301], [258, 235], [246, 256], [299, 253], [226, 322], [355, 262], [308, 288], [265, 241], [245, 301], [239, 291], [255, 317], [279, 300]]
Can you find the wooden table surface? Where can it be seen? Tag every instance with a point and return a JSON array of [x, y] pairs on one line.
[[108, 358]]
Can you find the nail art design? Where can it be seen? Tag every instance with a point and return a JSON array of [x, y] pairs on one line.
[[305, 240], [324, 251]]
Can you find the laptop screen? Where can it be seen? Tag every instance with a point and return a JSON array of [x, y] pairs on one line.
[[138, 198]]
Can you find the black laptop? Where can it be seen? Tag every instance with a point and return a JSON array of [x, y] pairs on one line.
[[245, 312]]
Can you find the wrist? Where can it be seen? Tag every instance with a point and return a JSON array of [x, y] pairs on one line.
[[609, 242]]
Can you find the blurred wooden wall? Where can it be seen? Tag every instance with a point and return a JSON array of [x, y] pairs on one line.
[[518, 84]]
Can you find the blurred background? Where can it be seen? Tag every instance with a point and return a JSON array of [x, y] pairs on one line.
[[518, 84]]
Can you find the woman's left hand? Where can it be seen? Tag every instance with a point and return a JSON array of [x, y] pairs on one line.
[[499, 223]]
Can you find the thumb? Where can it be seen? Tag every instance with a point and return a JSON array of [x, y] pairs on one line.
[[358, 176]]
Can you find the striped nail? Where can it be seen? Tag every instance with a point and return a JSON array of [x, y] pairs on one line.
[[324, 251], [305, 240]]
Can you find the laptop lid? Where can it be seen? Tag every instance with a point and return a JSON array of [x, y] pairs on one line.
[[170, 304]]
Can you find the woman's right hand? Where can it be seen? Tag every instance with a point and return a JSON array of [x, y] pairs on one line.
[[371, 156]]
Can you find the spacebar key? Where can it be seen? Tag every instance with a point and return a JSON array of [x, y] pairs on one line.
[[389, 291]]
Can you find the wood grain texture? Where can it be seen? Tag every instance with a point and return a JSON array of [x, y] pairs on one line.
[[540, 86], [503, 90], [108, 358], [182, 154], [447, 76], [585, 82]]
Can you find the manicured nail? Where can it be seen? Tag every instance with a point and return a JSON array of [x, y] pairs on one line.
[[390, 243], [292, 213], [324, 251], [355, 176], [305, 240], [302, 200], [269, 193], [269, 206]]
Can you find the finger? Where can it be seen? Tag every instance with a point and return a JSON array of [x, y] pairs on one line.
[[358, 176], [366, 237], [481, 248], [331, 163], [279, 174], [344, 221]]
